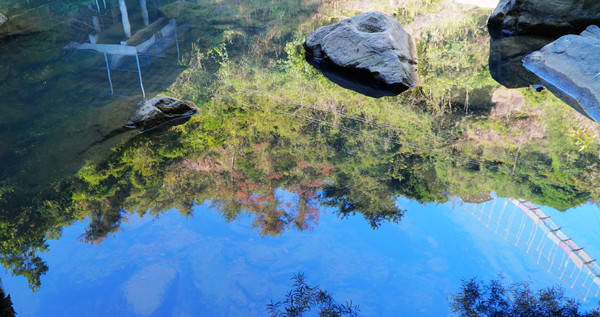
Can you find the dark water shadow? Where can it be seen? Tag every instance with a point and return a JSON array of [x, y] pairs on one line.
[[357, 80], [506, 58], [507, 53], [6, 305]]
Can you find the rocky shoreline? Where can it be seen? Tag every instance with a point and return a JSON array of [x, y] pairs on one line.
[[537, 43], [372, 54]]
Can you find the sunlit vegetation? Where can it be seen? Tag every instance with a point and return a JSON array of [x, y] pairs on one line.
[[271, 122]]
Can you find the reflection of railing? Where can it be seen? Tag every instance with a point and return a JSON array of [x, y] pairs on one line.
[[562, 256], [153, 46]]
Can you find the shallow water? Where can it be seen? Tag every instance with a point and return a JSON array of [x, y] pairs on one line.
[[389, 202]]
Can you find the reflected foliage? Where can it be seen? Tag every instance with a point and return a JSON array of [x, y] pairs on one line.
[[496, 299], [270, 122], [303, 299], [6, 307]]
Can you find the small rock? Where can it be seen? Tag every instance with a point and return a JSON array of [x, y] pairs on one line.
[[477, 198], [508, 101], [161, 110], [545, 17], [373, 45], [569, 68]]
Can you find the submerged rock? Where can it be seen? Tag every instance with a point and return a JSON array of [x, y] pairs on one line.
[[158, 111], [545, 17], [28, 21], [372, 46], [569, 67], [476, 198]]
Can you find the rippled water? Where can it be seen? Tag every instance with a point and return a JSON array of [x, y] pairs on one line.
[[388, 202]]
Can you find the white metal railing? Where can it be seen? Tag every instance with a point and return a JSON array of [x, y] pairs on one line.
[[543, 240]]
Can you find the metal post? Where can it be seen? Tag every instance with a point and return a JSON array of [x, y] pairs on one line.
[[521, 228], [532, 237], [542, 240], [553, 255], [575, 281], [137, 60], [144, 8], [566, 264], [510, 221], [586, 294], [574, 269], [491, 211], [480, 212], [108, 72], [543, 244], [125, 18], [587, 276], [501, 214], [483, 206], [96, 24]]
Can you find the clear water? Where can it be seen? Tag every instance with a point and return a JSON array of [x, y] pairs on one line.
[[389, 202]]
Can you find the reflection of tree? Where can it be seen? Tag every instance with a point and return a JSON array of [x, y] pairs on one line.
[[238, 158], [26, 222], [240, 173], [496, 299], [349, 197], [6, 307], [303, 298], [269, 126]]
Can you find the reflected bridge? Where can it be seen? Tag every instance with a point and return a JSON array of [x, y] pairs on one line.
[[534, 232]]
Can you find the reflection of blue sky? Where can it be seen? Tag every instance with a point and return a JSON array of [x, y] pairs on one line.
[[203, 266]]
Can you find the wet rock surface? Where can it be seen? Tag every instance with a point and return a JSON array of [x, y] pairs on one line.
[[545, 17], [159, 111], [371, 47], [506, 59], [569, 68]]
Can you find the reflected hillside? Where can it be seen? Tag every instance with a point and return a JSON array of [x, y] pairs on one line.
[[270, 122]]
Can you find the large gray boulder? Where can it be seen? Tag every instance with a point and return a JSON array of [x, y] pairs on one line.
[[570, 68], [158, 111], [373, 45], [545, 17]]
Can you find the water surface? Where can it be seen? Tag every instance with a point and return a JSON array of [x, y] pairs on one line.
[[389, 202]]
